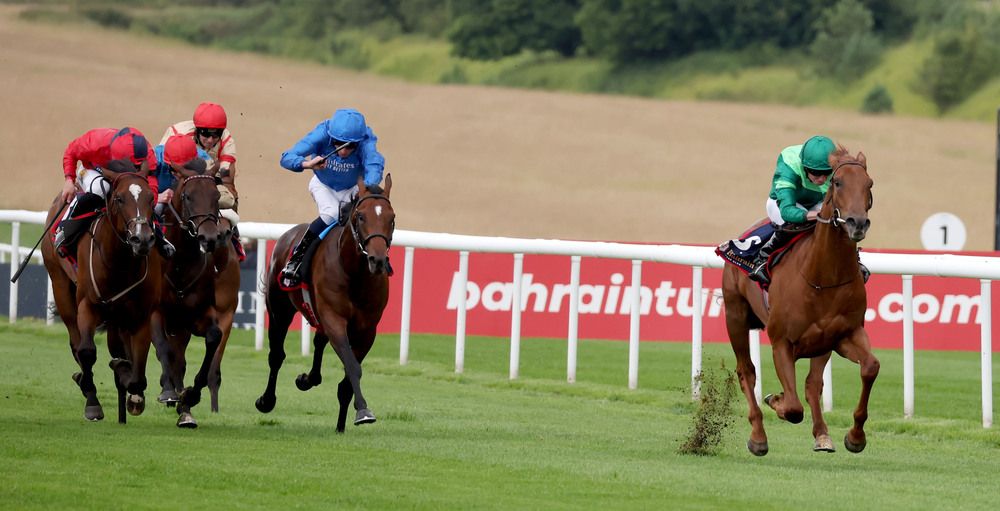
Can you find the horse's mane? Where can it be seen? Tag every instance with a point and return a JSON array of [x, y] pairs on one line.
[[120, 166], [841, 155], [197, 165], [375, 189]]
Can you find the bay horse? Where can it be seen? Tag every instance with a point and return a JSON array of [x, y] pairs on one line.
[[349, 291], [201, 290], [815, 305], [115, 284]]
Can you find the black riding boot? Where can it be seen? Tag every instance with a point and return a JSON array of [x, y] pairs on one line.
[[778, 240], [292, 273], [163, 246], [69, 228]]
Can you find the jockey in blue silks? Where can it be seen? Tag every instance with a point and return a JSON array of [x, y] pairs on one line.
[[338, 150]]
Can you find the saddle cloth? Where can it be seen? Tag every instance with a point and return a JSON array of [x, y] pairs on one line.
[[741, 252]]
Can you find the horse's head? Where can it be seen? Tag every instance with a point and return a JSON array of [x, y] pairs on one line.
[[197, 204], [372, 222], [130, 205], [850, 195]]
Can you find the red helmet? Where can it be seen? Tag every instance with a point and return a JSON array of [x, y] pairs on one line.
[[129, 144], [179, 150], [209, 115]]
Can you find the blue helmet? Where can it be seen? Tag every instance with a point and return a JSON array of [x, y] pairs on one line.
[[347, 125]]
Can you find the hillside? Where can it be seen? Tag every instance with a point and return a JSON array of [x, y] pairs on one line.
[[479, 160]]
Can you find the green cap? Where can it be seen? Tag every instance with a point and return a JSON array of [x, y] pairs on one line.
[[816, 153]]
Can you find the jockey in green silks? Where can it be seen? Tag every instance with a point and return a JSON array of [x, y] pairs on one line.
[[801, 178]]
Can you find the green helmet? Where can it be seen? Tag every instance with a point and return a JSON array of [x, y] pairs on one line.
[[816, 153]]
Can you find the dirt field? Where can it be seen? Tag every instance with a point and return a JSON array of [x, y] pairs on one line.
[[477, 160]]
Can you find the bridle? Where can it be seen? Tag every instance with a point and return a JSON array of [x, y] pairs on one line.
[[363, 243], [109, 206], [836, 220], [192, 224], [138, 220]]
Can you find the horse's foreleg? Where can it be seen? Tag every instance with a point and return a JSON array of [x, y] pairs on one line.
[[787, 404], [215, 373], [352, 367], [85, 353], [315, 376], [279, 321], [814, 391], [138, 348], [120, 366], [858, 349], [192, 395], [165, 355], [344, 394]]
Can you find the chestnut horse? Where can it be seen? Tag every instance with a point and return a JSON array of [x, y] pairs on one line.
[[350, 288], [817, 305], [201, 290], [115, 284]]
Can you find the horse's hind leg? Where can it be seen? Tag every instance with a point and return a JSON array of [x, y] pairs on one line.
[[280, 313], [166, 356], [814, 391], [307, 381], [858, 349], [737, 320]]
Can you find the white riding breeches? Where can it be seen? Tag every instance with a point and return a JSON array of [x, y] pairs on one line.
[[93, 181], [774, 213], [329, 200]]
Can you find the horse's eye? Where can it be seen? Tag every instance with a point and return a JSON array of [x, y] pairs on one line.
[[184, 197], [361, 218]]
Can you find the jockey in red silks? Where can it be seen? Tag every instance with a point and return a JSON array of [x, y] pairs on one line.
[[83, 161]]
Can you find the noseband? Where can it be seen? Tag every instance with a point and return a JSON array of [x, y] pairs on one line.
[[192, 224], [363, 243]]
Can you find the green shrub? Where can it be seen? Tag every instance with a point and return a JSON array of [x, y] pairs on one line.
[[845, 46], [877, 101], [109, 17]]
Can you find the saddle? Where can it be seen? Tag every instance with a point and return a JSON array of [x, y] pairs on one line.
[[742, 252], [88, 206]]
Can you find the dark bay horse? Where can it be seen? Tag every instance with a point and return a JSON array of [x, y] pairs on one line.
[[116, 283], [200, 292], [350, 288], [817, 305]]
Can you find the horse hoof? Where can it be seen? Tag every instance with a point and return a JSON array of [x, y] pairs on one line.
[[168, 397], [364, 416], [767, 400], [186, 420], [265, 405], [93, 413], [135, 404], [757, 448], [854, 447], [302, 382], [824, 444]]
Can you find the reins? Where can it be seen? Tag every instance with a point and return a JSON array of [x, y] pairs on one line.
[[835, 220], [190, 227], [363, 243]]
